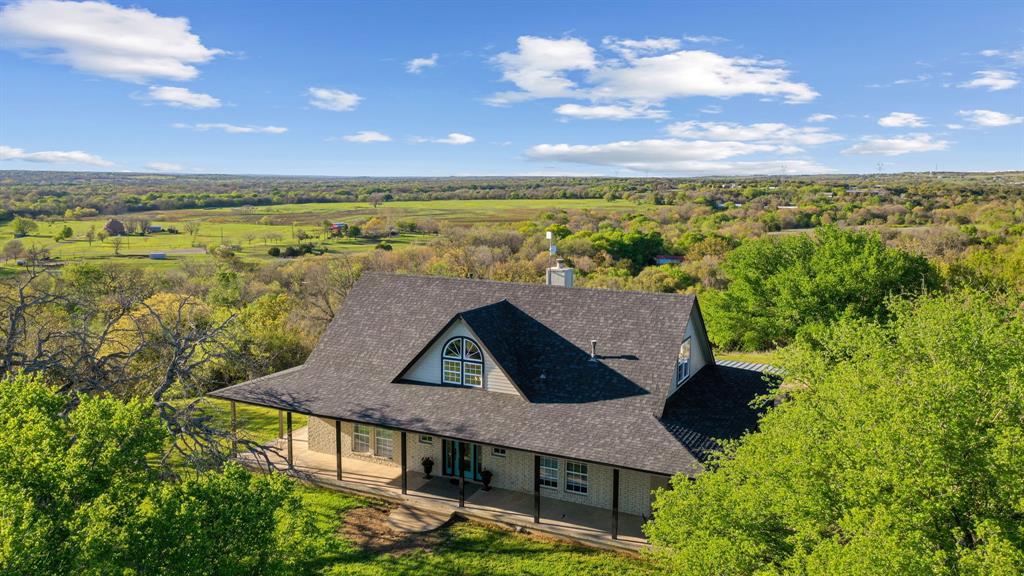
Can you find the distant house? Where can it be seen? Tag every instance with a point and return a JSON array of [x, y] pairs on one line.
[[668, 259], [570, 396], [153, 229], [338, 228], [158, 256], [114, 227]]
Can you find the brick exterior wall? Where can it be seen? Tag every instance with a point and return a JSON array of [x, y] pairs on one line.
[[514, 471]]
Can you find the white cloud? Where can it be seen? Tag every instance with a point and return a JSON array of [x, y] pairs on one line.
[[455, 138], [711, 109], [649, 72], [367, 136], [233, 128], [610, 112], [335, 100], [701, 39], [672, 155], [902, 120], [131, 44], [632, 48], [820, 117], [767, 132], [53, 156], [415, 65], [993, 80], [165, 167], [182, 97], [954, 126], [1011, 56], [539, 68], [990, 118], [897, 145]]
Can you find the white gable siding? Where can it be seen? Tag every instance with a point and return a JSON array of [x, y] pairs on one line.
[[428, 367], [697, 359]]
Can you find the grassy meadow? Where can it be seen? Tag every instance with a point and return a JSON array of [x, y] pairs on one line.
[[242, 227]]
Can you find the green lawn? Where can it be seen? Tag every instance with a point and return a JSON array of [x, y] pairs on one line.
[[763, 357]]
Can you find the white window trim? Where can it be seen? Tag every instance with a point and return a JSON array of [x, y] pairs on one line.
[[463, 362], [558, 472], [585, 475], [681, 362], [498, 452], [356, 434], [389, 436], [426, 439]]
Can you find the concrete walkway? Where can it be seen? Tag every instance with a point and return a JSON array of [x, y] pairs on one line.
[[407, 518]]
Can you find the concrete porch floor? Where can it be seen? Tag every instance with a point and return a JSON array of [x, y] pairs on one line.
[[565, 520]]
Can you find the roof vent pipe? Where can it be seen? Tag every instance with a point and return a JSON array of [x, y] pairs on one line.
[[593, 350]]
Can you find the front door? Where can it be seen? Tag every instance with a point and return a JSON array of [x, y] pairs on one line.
[[461, 458]]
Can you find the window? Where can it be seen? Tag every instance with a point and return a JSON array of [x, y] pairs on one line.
[[361, 438], [499, 452], [424, 439], [383, 447], [683, 367], [463, 363], [576, 477], [549, 472]]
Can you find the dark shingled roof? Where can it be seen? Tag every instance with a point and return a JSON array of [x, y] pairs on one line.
[[613, 411]]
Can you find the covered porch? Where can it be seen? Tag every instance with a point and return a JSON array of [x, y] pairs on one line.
[[610, 529]]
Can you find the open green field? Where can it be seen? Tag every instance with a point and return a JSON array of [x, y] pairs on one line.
[[242, 227]]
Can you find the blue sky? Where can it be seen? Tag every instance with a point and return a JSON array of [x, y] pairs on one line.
[[438, 89]]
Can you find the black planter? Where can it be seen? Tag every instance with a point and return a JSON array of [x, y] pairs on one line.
[[486, 477], [427, 469]]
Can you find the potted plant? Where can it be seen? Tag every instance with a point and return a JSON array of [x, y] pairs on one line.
[[428, 465], [486, 476]]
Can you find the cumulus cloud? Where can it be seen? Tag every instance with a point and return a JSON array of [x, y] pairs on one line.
[[234, 128], [673, 155], [990, 118], [367, 136], [164, 167], [994, 80], [181, 97], [131, 44], [53, 156], [642, 72], [454, 138], [1015, 56], [610, 112], [820, 117], [896, 146], [416, 65], [335, 100], [766, 132], [902, 120]]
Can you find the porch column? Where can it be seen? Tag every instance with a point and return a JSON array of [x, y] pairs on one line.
[[615, 504], [291, 458], [462, 477], [405, 469], [234, 430], [536, 489], [280, 424], [337, 446]]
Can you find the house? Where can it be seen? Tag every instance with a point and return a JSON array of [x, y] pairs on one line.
[[581, 397], [338, 229], [153, 229]]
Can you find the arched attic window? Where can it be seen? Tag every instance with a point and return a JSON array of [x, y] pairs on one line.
[[463, 363]]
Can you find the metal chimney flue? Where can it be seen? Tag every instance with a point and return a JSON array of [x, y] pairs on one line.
[[593, 350]]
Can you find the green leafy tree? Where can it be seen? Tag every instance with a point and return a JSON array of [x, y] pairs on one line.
[[779, 286], [899, 451], [22, 226], [77, 496]]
